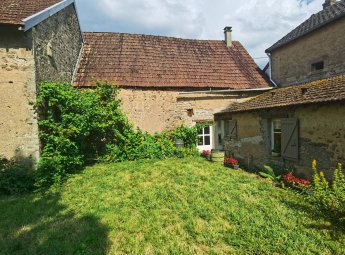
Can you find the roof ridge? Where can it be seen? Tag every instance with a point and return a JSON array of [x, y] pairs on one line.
[[314, 22], [158, 36]]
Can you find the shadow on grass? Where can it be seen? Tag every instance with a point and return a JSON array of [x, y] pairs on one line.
[[32, 225], [327, 221]]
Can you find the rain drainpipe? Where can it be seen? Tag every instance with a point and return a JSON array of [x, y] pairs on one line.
[[270, 63]]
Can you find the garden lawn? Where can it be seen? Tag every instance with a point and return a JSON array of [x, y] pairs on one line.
[[176, 206]]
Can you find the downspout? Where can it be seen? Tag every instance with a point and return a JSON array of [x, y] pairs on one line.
[[270, 72]]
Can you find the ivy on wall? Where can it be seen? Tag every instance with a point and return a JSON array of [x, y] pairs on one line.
[[78, 127]]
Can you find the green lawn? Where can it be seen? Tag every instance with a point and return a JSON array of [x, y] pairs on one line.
[[186, 206]]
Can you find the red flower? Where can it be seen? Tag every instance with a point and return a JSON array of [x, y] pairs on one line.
[[291, 179], [231, 161], [206, 153]]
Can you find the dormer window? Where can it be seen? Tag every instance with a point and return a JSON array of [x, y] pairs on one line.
[[318, 66]]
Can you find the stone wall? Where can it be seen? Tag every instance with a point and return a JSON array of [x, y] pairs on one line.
[[18, 123], [155, 110], [293, 62], [321, 137], [57, 43], [47, 52]]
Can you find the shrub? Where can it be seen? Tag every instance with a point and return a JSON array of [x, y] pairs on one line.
[[15, 177], [188, 135], [79, 127], [329, 198]]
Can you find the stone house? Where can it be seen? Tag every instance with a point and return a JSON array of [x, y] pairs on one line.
[[313, 50], [303, 120], [166, 82], [39, 41]]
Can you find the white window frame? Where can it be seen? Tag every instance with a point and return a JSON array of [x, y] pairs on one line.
[[203, 135], [273, 121]]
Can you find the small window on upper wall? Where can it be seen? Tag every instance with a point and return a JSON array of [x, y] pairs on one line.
[[318, 66]]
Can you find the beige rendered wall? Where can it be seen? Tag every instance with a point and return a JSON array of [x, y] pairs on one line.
[[155, 110], [18, 123], [292, 63]]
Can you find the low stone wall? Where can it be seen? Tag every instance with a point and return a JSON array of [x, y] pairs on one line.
[[321, 137]]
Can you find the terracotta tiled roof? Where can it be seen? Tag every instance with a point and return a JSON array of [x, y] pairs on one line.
[[156, 61], [321, 91], [14, 11], [324, 17]]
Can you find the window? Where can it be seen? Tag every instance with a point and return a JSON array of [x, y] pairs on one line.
[[205, 136], [284, 138], [318, 66], [276, 136], [220, 133]]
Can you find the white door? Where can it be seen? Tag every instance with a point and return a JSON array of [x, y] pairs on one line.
[[205, 138]]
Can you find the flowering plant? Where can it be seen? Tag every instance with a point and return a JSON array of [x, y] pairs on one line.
[[231, 161], [295, 181], [206, 153]]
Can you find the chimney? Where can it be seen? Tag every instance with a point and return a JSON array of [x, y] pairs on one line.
[[228, 36], [328, 3]]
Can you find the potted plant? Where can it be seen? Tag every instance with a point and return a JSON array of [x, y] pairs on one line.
[[206, 154], [231, 162], [276, 152]]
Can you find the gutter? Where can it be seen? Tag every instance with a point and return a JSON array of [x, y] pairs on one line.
[[225, 91], [37, 18], [270, 72]]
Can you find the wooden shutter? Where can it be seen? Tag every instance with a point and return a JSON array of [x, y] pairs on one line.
[[233, 128], [289, 138]]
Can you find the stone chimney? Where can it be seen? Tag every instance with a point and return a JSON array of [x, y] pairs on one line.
[[328, 3], [228, 36]]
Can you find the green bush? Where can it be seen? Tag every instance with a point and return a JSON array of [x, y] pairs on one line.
[[188, 135], [78, 127], [329, 197], [15, 177]]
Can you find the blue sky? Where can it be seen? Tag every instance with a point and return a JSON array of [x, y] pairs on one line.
[[257, 24]]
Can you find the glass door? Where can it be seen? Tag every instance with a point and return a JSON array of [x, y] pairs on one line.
[[205, 138]]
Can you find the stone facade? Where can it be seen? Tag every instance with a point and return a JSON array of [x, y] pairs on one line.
[[57, 42], [18, 122], [292, 63], [49, 52], [321, 137], [155, 110]]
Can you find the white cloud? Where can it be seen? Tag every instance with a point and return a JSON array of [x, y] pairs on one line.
[[257, 24]]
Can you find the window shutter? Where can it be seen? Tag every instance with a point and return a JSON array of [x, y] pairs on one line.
[[289, 138], [232, 128]]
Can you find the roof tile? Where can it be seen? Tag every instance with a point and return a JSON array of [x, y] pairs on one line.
[[156, 61], [14, 11], [321, 91]]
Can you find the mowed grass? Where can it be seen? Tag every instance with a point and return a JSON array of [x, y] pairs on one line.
[[186, 206]]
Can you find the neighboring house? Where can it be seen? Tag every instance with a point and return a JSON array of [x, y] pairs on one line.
[[166, 82], [301, 122], [39, 41], [314, 50]]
